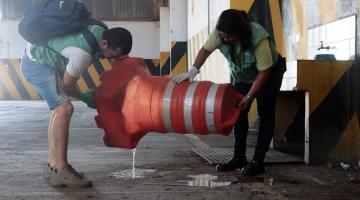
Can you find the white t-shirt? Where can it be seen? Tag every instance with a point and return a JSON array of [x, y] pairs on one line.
[[79, 59]]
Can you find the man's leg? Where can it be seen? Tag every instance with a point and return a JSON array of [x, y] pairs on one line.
[[64, 174], [44, 79], [51, 156], [57, 140], [61, 116], [49, 166]]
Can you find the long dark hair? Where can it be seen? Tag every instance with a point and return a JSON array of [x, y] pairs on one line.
[[236, 21]]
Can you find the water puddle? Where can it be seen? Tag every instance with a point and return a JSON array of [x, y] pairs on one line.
[[131, 173], [205, 180]]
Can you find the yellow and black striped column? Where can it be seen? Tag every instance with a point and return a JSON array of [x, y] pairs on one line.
[[268, 14], [178, 58], [13, 85], [159, 67], [334, 101], [154, 66], [333, 111]]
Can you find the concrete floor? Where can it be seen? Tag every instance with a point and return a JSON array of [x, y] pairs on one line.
[[23, 150]]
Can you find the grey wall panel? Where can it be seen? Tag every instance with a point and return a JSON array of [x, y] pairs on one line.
[[289, 30], [312, 12], [346, 8]]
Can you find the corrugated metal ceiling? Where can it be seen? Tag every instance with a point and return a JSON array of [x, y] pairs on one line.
[[110, 10]]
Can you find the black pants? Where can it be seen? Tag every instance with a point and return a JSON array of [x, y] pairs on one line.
[[266, 102]]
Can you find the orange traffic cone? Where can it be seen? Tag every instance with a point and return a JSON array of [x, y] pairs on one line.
[[130, 103]]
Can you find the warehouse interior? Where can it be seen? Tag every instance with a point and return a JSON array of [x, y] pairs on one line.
[[315, 150]]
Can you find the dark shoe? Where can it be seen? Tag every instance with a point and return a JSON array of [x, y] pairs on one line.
[[231, 165], [253, 168]]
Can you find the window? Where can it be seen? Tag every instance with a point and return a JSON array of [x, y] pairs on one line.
[[335, 38]]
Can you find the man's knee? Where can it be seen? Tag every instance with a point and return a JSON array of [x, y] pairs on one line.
[[64, 110]]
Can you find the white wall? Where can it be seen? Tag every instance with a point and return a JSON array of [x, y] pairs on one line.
[[146, 36], [290, 76], [145, 39], [178, 20], [202, 17], [165, 43], [216, 8], [198, 12], [11, 43], [204, 14]]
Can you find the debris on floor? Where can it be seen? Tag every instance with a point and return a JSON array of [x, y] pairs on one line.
[[345, 166], [354, 179], [268, 181], [205, 180]]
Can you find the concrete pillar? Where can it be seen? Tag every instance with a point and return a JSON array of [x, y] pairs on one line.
[[165, 40], [178, 35], [203, 15]]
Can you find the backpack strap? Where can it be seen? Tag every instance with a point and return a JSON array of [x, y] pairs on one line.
[[91, 40], [89, 37]]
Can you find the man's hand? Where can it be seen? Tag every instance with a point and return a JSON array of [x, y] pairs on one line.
[[187, 75], [87, 97]]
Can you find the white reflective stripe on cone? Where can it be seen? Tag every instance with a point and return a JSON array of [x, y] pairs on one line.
[[166, 106], [210, 106], [188, 102]]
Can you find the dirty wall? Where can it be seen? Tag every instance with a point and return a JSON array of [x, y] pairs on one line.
[[333, 85]]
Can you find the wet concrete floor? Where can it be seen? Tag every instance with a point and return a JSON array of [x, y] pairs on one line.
[[167, 168]]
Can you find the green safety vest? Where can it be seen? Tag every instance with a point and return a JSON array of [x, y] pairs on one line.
[[243, 68], [53, 58]]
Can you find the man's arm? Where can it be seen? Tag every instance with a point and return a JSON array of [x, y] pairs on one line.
[[79, 60], [69, 85]]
